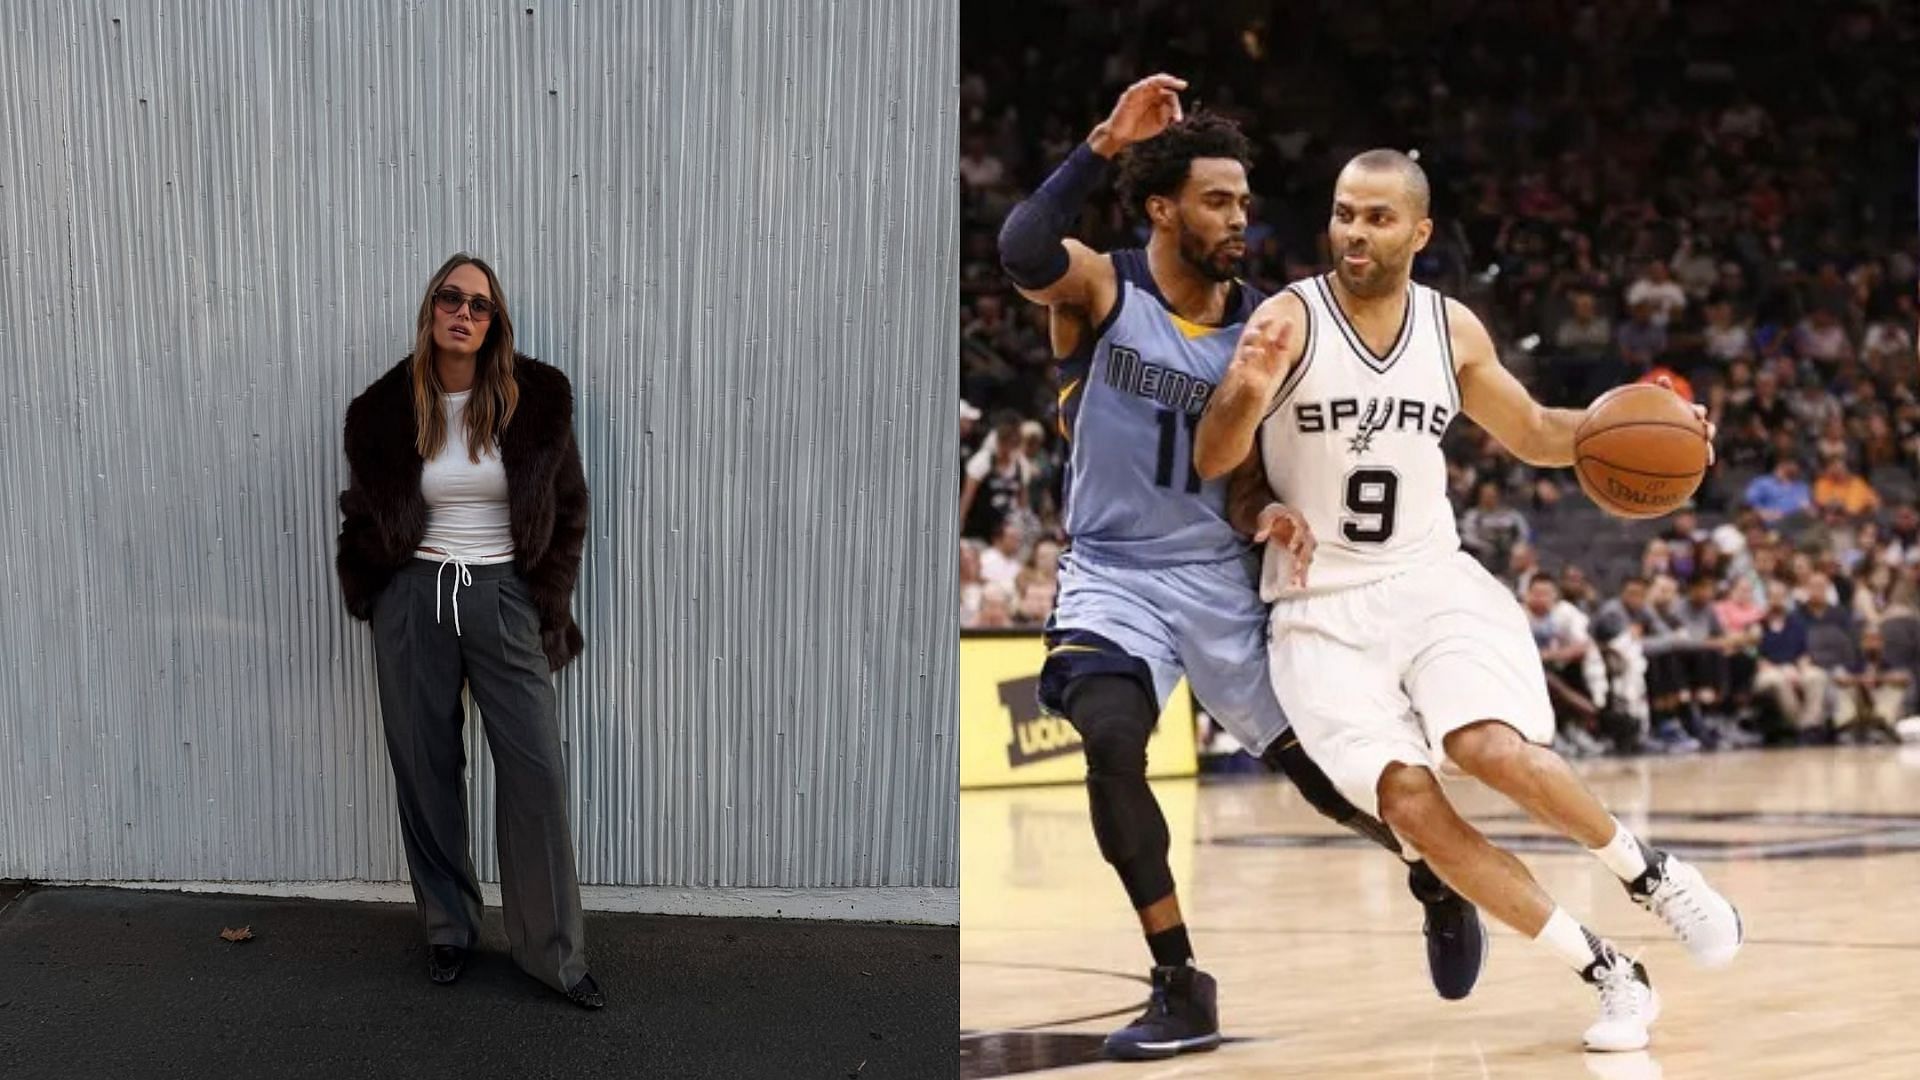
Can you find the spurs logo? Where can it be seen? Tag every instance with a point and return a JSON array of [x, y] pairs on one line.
[[1379, 413]]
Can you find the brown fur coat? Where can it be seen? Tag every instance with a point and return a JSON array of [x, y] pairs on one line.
[[385, 514]]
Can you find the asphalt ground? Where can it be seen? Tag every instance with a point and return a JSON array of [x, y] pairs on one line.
[[98, 982]]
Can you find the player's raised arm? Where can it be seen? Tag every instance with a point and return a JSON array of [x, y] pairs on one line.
[[1043, 263], [1268, 349]]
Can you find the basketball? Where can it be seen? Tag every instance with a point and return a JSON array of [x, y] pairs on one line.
[[1641, 452]]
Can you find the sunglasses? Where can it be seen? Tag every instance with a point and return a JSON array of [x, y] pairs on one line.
[[452, 300]]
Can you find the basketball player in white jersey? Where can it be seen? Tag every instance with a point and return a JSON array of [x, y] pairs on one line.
[[1401, 651]]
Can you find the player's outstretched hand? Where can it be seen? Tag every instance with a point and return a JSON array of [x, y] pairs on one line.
[[1263, 348], [1144, 110], [1701, 412], [1285, 525]]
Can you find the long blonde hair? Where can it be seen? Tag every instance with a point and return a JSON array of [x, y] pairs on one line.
[[495, 393]]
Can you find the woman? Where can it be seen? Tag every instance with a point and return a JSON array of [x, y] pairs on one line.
[[1740, 611], [465, 518], [1709, 562], [1872, 592]]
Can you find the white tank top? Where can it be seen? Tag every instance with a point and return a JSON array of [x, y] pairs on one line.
[[466, 503], [1352, 441]]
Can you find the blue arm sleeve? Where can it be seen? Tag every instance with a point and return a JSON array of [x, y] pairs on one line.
[[1031, 251]]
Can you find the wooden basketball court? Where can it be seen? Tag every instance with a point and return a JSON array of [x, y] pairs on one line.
[[1317, 947]]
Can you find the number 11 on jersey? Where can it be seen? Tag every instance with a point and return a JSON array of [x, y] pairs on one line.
[[1170, 449]]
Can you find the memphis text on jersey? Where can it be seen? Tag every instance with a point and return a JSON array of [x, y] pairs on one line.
[[1175, 390]]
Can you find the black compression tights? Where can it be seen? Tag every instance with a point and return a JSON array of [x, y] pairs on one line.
[[1114, 715]]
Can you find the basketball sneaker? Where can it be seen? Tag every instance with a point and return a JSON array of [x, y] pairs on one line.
[[1180, 1018], [1671, 738], [1585, 741], [1456, 942], [1628, 1003], [1701, 918]]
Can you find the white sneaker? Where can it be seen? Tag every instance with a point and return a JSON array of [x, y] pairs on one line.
[[1701, 918], [1628, 1004], [1588, 743]]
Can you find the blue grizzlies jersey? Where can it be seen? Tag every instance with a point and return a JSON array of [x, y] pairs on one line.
[[1129, 407]]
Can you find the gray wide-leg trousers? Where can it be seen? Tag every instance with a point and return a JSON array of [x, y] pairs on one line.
[[486, 633]]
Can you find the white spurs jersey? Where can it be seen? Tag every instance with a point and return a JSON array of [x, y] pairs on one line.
[[1352, 441]]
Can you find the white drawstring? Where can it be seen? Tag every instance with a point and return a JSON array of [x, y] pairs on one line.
[[461, 576]]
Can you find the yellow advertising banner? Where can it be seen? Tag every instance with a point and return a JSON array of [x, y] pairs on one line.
[[1005, 740], [1020, 847]]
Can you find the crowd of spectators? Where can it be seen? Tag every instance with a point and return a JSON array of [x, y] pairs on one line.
[[1622, 191]]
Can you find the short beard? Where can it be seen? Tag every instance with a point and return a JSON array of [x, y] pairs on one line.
[[1203, 262]]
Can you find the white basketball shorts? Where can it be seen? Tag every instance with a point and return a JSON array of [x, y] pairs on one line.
[[1383, 672]]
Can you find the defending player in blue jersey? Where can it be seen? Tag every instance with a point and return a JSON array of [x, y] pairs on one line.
[[1160, 578]]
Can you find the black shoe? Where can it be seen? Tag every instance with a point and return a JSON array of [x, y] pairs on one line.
[[1703, 731], [586, 994], [444, 963], [1180, 1018], [1456, 942]]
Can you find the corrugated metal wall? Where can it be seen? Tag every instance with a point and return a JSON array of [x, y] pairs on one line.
[[732, 222]]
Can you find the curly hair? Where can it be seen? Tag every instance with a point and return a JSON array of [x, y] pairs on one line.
[[1160, 165]]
